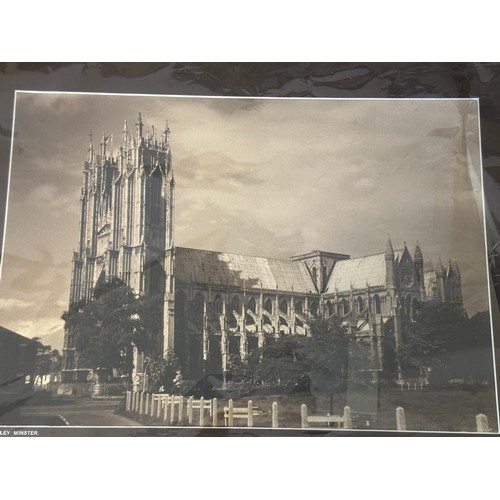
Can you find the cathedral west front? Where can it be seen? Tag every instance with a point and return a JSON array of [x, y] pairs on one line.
[[218, 304]]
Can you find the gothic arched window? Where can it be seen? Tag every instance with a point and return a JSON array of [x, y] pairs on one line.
[[408, 305], [268, 306], [376, 304], [360, 304], [218, 304], [299, 308], [344, 306], [313, 308], [252, 305], [198, 309], [329, 308], [284, 306]]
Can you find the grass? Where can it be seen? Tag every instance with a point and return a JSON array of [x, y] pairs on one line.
[[373, 408]]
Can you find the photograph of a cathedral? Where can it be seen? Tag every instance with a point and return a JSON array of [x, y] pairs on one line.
[[301, 262]]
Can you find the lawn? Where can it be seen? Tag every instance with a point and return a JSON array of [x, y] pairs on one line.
[[374, 408]]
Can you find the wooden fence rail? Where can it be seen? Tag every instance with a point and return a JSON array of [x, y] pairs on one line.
[[177, 410], [231, 413], [343, 421]]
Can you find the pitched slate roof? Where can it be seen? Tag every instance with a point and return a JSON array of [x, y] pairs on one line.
[[358, 272], [227, 269]]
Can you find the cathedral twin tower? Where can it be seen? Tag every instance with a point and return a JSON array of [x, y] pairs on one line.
[[218, 304], [126, 229]]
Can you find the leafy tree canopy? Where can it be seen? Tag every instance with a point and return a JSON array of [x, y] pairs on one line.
[[164, 372], [450, 344], [105, 328], [326, 352]]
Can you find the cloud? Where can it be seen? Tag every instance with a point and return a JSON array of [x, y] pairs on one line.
[[446, 133], [49, 330], [12, 304], [215, 170]]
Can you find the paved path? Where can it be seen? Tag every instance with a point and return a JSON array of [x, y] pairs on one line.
[[74, 412]]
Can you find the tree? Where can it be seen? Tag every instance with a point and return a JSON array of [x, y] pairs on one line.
[[106, 328], [48, 360], [164, 372], [443, 338], [325, 355]]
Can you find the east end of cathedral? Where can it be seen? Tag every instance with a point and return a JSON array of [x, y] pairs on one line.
[[218, 304]]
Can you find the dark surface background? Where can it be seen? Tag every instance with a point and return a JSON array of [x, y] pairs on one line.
[[387, 80]]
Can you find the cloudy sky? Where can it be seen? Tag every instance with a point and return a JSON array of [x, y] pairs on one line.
[[274, 177]]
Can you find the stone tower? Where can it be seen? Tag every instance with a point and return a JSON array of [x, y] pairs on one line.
[[126, 224]]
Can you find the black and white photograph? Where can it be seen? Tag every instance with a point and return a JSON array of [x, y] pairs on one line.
[[243, 263]]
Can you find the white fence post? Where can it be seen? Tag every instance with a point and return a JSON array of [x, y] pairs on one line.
[[158, 408], [303, 416], [127, 401], [146, 408], [482, 424], [136, 401], [141, 404], [165, 410], [214, 412], [181, 410], [250, 414], [347, 418], [190, 410], [152, 405], [400, 419], [172, 409], [230, 414], [202, 411], [275, 415]]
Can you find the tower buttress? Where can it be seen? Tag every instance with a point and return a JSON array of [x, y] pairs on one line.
[[91, 149], [456, 286], [440, 279], [389, 267], [418, 259]]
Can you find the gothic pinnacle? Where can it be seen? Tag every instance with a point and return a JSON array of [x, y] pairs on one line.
[[125, 132], [418, 253], [389, 251]]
